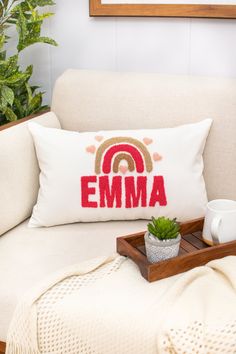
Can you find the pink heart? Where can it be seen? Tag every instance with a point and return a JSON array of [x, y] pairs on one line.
[[91, 149], [123, 169], [147, 141], [157, 157], [99, 138]]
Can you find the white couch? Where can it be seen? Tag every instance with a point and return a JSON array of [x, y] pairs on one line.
[[89, 101]]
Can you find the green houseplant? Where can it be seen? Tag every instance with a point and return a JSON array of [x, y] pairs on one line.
[[17, 97], [162, 240]]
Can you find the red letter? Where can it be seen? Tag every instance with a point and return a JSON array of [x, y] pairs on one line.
[[86, 191], [109, 194], [132, 197], [158, 194]]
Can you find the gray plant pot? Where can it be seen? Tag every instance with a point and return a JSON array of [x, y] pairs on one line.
[[158, 250]]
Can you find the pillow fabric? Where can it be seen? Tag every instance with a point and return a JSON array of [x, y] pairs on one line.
[[19, 172], [119, 175]]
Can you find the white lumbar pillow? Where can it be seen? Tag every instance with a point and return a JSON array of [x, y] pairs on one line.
[[119, 175]]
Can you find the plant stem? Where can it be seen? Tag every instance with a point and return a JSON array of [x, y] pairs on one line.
[[7, 13]]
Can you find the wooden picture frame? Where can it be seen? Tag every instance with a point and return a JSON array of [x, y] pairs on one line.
[[97, 8]]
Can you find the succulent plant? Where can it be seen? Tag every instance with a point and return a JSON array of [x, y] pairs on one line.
[[164, 228]]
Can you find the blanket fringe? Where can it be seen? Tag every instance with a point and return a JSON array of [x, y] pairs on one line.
[[15, 348]]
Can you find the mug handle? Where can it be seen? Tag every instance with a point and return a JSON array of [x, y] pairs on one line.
[[215, 229]]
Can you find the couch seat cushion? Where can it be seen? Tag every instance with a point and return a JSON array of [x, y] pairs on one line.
[[28, 255]]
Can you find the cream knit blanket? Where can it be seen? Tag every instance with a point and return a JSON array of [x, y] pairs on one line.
[[105, 307]]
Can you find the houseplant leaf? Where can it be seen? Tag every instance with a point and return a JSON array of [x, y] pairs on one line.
[[11, 116], [8, 94], [35, 103]]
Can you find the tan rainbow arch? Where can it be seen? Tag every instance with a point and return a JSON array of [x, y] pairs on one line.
[[112, 151]]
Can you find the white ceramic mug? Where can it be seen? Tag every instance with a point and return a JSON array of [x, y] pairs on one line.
[[220, 222]]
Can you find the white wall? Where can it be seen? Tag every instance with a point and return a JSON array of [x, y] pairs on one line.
[[173, 46]]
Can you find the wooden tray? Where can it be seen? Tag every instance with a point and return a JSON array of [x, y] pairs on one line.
[[193, 252]]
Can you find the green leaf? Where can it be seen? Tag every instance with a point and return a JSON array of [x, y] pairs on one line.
[[16, 79], [3, 55], [34, 29], [3, 104], [19, 109], [45, 15], [29, 70], [35, 103], [31, 41], [8, 94], [163, 228], [11, 21], [12, 65], [42, 108], [29, 91], [41, 3], [21, 26], [34, 88], [2, 40], [33, 4], [10, 115]]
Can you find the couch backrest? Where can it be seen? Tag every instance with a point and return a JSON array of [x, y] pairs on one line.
[[19, 172], [93, 100]]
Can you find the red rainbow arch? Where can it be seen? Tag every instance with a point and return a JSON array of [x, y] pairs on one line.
[[112, 151]]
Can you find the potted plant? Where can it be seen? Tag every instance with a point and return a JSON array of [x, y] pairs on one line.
[[162, 240], [22, 19]]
